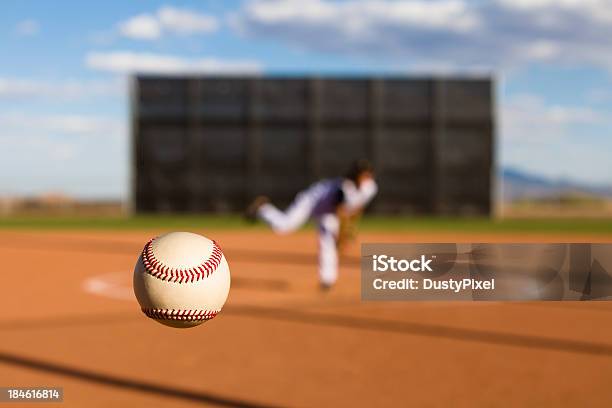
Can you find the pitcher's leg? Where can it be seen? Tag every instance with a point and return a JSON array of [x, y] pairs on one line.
[[294, 217], [328, 252]]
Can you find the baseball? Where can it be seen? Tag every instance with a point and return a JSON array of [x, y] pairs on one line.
[[181, 279]]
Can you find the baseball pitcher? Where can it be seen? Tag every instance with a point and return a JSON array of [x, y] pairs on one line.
[[335, 204]]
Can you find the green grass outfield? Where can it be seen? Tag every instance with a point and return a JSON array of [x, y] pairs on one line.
[[372, 223]]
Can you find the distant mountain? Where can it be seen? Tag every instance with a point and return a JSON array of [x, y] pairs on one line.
[[517, 184]]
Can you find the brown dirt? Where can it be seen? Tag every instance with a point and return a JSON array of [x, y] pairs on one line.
[[281, 342]]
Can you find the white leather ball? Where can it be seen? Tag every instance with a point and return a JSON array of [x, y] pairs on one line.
[[181, 279]]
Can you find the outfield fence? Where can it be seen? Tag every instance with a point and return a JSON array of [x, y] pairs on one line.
[[210, 144]]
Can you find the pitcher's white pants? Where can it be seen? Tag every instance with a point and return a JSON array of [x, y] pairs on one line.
[[294, 217], [329, 225]]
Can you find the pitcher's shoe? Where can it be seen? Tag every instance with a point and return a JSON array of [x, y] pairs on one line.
[[251, 212], [325, 287]]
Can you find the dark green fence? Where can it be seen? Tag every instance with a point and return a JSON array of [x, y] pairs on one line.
[[212, 144]]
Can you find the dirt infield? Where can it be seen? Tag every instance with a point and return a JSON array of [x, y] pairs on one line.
[[70, 320]]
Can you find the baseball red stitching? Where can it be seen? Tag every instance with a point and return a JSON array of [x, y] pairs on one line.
[[177, 314], [180, 275]]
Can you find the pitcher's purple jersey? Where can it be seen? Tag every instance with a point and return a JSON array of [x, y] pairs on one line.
[[327, 195]]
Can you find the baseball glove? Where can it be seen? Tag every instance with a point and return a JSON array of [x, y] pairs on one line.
[[347, 232]]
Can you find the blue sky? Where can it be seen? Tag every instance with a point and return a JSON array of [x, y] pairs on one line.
[[64, 69]]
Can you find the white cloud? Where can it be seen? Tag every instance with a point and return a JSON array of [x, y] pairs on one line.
[[461, 33], [542, 50], [127, 62], [352, 17], [528, 119], [141, 27], [12, 88], [27, 28], [167, 20], [186, 21], [592, 9]]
